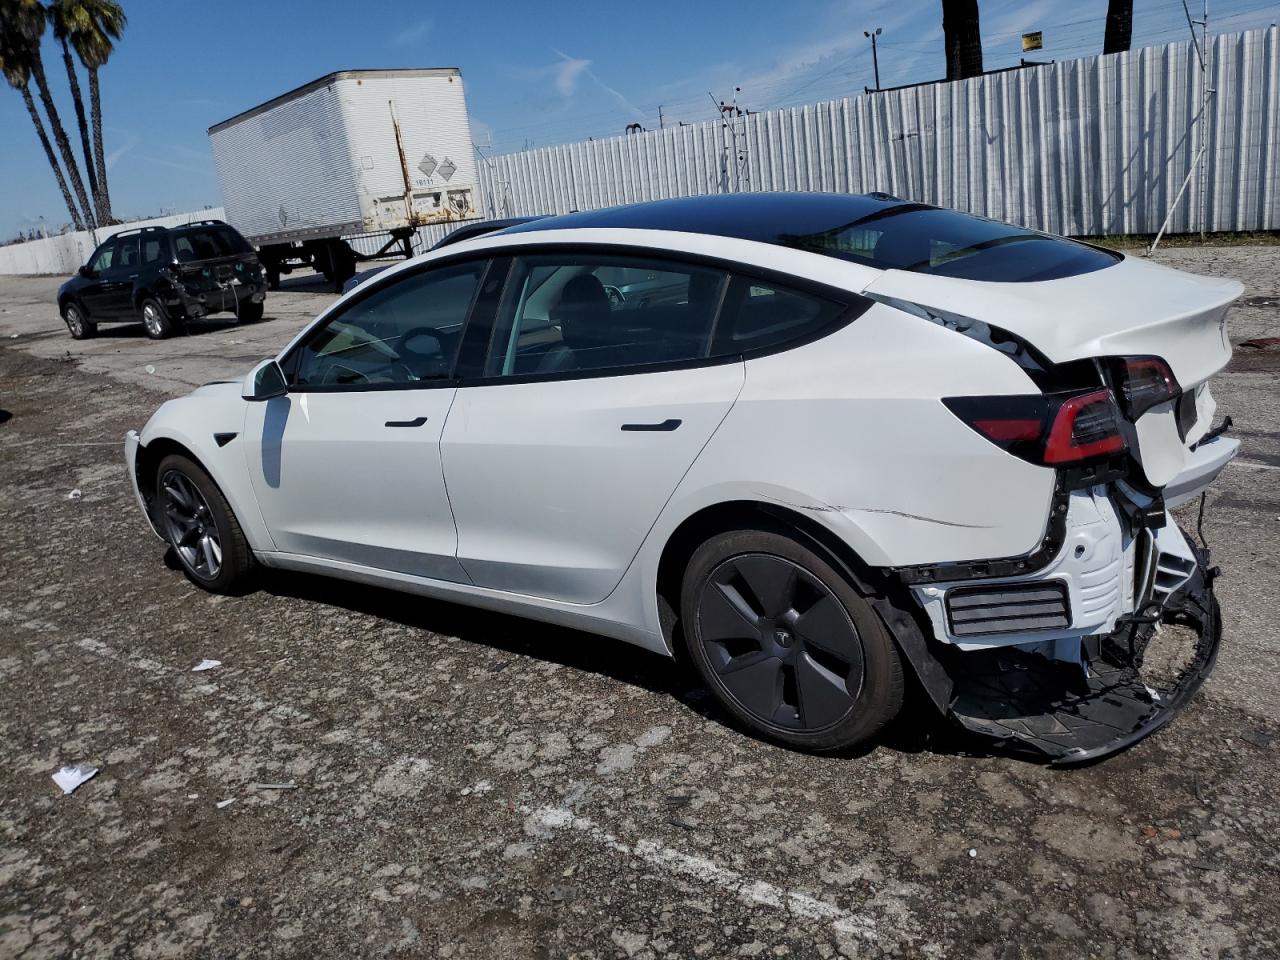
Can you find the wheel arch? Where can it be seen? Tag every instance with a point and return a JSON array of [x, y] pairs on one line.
[[730, 515], [906, 623]]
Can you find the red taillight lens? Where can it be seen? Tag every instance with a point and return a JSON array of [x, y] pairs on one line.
[[1084, 427], [1047, 430], [1144, 382]]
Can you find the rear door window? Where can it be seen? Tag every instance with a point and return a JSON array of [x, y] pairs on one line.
[[127, 254], [567, 314]]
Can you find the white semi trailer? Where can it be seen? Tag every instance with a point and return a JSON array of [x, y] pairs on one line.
[[356, 152]]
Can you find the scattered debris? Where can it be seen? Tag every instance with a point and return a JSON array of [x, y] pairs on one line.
[[193, 796], [1205, 865], [481, 786], [678, 800], [75, 494], [972, 853], [1150, 833], [149, 368], [68, 778], [274, 786], [12, 336], [225, 803], [206, 665], [1261, 343]]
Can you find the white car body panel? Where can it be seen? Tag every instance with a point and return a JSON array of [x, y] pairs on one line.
[[529, 498], [551, 495], [338, 483]]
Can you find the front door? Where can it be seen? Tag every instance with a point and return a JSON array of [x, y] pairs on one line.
[[595, 399], [346, 467], [95, 295]]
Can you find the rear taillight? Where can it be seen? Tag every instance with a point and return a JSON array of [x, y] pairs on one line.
[[1053, 430], [1084, 427], [1143, 382]]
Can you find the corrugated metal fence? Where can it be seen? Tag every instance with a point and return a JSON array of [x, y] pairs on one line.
[[1082, 147], [65, 253]]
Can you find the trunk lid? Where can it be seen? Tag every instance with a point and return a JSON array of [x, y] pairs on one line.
[[1134, 308]]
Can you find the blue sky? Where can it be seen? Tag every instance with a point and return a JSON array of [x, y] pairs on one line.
[[535, 73]]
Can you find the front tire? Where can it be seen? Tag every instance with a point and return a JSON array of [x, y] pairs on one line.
[[786, 643], [78, 325], [155, 319], [201, 528]]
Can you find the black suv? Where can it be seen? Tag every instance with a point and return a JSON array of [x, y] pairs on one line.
[[164, 276]]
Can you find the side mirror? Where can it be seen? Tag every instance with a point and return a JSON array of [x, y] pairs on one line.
[[85, 272], [264, 381]]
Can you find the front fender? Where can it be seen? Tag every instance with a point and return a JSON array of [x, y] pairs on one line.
[[201, 424]]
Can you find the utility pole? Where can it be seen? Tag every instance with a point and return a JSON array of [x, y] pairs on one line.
[[659, 116], [875, 59]]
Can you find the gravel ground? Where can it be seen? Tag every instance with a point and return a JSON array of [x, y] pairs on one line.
[[470, 785]]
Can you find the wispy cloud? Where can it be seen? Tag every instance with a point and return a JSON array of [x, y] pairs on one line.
[[204, 171], [567, 72], [130, 141], [411, 34]]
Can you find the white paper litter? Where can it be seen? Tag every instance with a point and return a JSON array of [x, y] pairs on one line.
[[972, 852], [150, 368], [75, 494], [68, 778], [206, 665], [274, 786], [225, 803]]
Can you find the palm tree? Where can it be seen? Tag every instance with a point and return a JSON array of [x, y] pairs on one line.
[[21, 24], [94, 25], [1119, 26], [66, 17], [962, 39], [26, 20]]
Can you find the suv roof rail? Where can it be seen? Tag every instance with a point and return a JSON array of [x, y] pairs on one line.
[[133, 230], [199, 223]]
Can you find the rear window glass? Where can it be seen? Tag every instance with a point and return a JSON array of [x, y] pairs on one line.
[[927, 239], [758, 315], [206, 243]]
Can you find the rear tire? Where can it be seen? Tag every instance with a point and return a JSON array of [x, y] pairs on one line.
[[786, 643], [250, 312], [155, 319], [79, 326], [201, 528]]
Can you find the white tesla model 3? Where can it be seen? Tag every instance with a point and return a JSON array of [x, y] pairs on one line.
[[821, 442]]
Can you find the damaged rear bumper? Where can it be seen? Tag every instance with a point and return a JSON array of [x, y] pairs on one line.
[[1072, 714]]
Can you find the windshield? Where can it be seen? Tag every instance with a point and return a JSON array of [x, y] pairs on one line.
[[206, 243]]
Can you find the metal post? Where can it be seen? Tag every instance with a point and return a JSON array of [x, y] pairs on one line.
[[875, 58]]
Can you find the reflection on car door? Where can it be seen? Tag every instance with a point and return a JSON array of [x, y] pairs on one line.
[[94, 294], [117, 279], [346, 467], [560, 458]]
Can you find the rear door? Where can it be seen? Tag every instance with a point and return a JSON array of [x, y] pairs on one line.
[[346, 467], [562, 449]]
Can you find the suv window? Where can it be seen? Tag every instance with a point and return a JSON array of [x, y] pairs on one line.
[[206, 243], [153, 248], [403, 332], [579, 312], [103, 257], [758, 315], [127, 252]]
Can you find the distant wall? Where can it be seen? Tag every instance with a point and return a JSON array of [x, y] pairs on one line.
[[1082, 147], [64, 254]]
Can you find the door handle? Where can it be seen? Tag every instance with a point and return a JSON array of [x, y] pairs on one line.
[[416, 422], [666, 426]]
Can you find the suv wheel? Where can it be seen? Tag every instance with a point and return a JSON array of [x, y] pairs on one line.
[[80, 326], [250, 312], [786, 643], [155, 319], [200, 527]]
